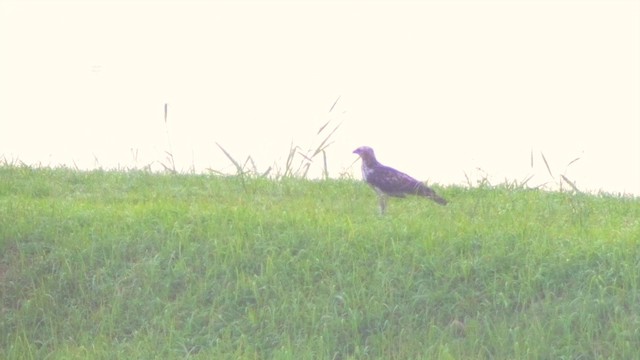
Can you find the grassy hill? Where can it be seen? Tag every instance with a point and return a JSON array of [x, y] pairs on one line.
[[138, 265]]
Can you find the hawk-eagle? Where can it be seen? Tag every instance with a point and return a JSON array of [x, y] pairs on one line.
[[387, 181]]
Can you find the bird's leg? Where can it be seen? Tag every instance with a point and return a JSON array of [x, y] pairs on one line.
[[382, 200]]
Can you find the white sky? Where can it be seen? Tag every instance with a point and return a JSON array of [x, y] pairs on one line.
[[437, 88]]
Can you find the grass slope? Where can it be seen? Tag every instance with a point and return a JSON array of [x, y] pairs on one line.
[[136, 265]]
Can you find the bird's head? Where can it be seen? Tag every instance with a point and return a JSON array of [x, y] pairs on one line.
[[366, 154]]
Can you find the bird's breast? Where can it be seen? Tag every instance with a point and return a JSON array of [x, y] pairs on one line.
[[366, 172]]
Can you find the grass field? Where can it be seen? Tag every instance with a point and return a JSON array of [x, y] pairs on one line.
[[133, 265]]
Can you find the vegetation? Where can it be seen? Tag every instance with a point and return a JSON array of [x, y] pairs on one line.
[[136, 265]]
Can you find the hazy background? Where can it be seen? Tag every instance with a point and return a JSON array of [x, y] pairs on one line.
[[437, 88]]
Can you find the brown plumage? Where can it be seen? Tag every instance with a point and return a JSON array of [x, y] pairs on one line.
[[388, 181]]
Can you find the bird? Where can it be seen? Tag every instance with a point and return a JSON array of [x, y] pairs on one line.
[[387, 181]]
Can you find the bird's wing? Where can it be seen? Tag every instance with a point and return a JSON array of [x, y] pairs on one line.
[[392, 181]]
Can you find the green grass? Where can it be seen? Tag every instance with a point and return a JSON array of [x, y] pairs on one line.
[[133, 265]]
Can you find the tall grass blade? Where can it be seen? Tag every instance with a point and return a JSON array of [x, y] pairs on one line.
[[165, 112], [304, 156], [531, 158], [573, 185], [288, 167], [546, 164], [322, 127], [253, 165], [325, 170], [523, 183], [322, 145], [572, 161], [239, 168], [468, 180], [305, 170], [172, 168], [334, 103]]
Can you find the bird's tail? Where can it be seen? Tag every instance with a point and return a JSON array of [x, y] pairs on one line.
[[438, 199], [428, 192]]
